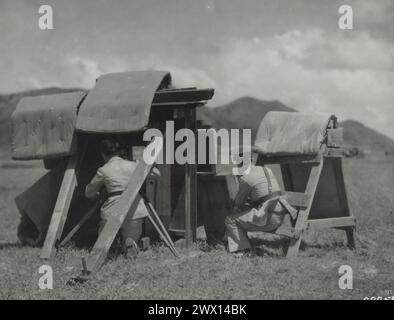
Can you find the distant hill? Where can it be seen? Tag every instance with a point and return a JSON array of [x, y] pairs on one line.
[[245, 112], [8, 104], [248, 112], [357, 134]]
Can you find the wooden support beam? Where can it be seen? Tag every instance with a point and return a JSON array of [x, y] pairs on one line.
[[179, 104], [264, 159], [297, 199], [190, 185], [62, 206], [182, 95], [304, 213], [127, 202], [331, 222]]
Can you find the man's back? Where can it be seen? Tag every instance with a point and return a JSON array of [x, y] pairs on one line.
[[254, 185], [116, 173]]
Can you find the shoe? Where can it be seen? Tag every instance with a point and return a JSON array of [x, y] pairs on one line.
[[217, 244], [244, 253], [131, 248]]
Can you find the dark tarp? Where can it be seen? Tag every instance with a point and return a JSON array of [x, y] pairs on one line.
[[121, 102], [36, 204], [43, 127]]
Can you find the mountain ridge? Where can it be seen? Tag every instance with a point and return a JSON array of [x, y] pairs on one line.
[[244, 112]]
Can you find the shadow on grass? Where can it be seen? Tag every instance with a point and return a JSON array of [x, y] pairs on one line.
[[10, 245], [11, 165], [270, 247], [325, 246], [278, 247]]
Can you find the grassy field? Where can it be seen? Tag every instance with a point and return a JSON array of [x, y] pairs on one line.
[[215, 274]]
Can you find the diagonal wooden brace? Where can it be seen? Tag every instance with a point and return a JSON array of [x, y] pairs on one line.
[[62, 206], [127, 202]]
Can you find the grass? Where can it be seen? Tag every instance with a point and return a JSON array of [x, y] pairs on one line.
[[215, 274]]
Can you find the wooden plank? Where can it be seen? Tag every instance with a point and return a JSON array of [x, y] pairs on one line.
[[297, 199], [288, 159], [177, 89], [180, 104], [304, 213], [126, 203], [182, 95], [289, 232], [180, 232], [62, 206], [190, 186], [331, 222]]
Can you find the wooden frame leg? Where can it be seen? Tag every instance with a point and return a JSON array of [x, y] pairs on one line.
[[350, 238], [62, 206], [190, 186], [304, 213]]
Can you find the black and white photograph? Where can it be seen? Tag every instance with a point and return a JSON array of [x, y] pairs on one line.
[[214, 151]]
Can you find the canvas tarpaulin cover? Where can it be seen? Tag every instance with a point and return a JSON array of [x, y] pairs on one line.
[[121, 102], [43, 127], [292, 133], [36, 204]]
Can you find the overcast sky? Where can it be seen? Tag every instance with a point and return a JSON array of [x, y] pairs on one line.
[[290, 50]]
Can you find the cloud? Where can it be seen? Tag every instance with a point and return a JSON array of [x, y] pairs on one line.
[[373, 10], [82, 71], [66, 71], [187, 76], [340, 50], [350, 73], [351, 76]]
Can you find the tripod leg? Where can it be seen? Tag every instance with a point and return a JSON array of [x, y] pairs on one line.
[[163, 234], [158, 220]]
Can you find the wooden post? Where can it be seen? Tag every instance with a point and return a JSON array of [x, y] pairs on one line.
[[190, 184], [304, 213], [343, 201], [62, 206]]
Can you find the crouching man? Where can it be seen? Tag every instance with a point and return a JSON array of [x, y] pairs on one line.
[[114, 177], [257, 207]]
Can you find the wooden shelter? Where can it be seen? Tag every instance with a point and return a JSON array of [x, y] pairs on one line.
[[308, 149], [121, 105]]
